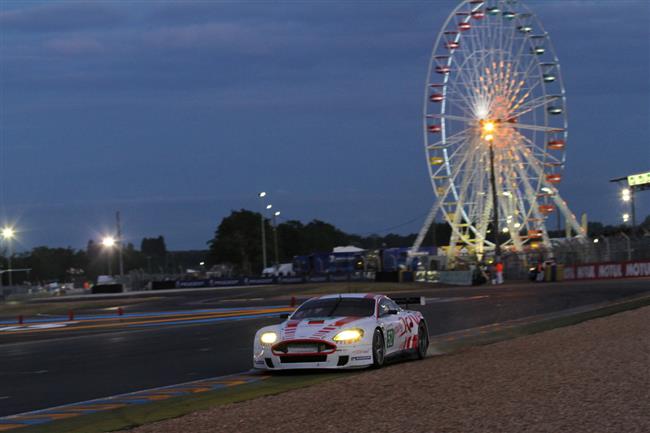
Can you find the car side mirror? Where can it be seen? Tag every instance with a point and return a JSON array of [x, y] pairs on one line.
[[284, 316]]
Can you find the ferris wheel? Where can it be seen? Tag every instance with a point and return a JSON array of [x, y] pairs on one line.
[[495, 97]]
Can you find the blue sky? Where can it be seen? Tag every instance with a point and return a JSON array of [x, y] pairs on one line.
[[175, 113]]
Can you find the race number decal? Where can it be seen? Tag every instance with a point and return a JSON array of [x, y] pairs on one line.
[[390, 338]]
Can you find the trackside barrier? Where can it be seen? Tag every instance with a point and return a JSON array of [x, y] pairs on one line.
[[458, 278], [608, 270], [251, 281]]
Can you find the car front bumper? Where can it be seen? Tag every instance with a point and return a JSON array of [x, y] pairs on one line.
[[347, 356]]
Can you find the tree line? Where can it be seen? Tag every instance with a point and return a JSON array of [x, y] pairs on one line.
[[47, 264], [236, 241]]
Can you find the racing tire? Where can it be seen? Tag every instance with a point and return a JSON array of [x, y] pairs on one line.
[[378, 349], [423, 341]]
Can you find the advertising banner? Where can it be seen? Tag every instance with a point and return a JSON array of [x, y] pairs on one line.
[[603, 271]]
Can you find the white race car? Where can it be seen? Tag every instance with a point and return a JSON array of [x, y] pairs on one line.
[[341, 331]]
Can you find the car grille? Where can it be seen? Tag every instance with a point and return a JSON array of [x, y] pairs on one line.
[[302, 358], [306, 347]]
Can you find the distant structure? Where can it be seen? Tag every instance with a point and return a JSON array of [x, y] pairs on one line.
[[495, 130]]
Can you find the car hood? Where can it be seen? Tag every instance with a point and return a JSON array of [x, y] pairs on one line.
[[320, 328]]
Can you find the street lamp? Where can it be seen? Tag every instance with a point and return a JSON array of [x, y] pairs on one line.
[[275, 240], [108, 242], [626, 217], [8, 233], [261, 196]]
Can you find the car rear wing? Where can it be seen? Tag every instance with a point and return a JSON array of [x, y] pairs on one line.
[[418, 300]]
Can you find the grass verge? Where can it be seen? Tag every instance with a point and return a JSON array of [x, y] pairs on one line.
[[135, 415]]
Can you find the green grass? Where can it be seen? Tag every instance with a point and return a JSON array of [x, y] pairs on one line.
[[135, 415]]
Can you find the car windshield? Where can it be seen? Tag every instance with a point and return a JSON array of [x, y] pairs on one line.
[[335, 307]]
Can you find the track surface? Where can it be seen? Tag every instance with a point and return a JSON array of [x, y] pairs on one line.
[[44, 369]]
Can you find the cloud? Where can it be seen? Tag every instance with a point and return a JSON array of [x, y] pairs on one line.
[[74, 45], [61, 17]]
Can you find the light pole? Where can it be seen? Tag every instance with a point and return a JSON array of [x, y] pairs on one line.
[[109, 242], [261, 195], [488, 130], [120, 246], [275, 240], [8, 234]]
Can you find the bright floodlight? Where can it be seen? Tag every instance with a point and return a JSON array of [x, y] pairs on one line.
[[262, 194], [8, 232], [626, 195], [108, 241], [596, 240], [626, 217], [269, 206], [488, 126], [277, 213], [489, 137]]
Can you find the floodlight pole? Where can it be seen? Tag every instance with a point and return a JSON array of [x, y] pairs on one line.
[[261, 195], [120, 246], [495, 202], [9, 261], [632, 209], [275, 241]]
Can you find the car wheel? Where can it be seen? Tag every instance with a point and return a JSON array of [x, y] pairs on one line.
[[378, 349], [423, 340]]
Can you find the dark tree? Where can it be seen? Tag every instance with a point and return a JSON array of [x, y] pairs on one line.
[[237, 241]]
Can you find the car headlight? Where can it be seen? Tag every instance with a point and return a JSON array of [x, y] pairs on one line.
[[349, 336], [269, 337]]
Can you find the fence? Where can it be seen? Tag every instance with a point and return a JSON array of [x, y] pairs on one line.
[[617, 248]]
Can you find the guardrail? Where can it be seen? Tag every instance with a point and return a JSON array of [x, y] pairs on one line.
[[253, 281]]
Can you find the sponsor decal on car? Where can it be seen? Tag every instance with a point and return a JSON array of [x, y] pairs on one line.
[[390, 338]]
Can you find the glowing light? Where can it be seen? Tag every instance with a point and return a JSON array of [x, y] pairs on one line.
[[488, 126], [482, 110], [349, 335], [269, 337], [8, 232], [626, 194], [505, 230], [269, 206], [626, 217], [596, 240], [489, 137], [108, 241], [262, 194]]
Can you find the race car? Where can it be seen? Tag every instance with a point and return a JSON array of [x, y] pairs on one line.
[[341, 331]]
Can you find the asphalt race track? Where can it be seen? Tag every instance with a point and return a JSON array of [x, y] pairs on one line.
[[108, 357]]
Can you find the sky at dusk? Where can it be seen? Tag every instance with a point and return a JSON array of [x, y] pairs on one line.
[[176, 113]]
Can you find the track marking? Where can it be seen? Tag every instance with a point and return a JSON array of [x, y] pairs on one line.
[[124, 400]]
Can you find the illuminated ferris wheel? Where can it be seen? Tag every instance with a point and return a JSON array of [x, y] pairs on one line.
[[495, 97]]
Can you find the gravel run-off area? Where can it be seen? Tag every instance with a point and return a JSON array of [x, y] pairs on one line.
[[593, 377]]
